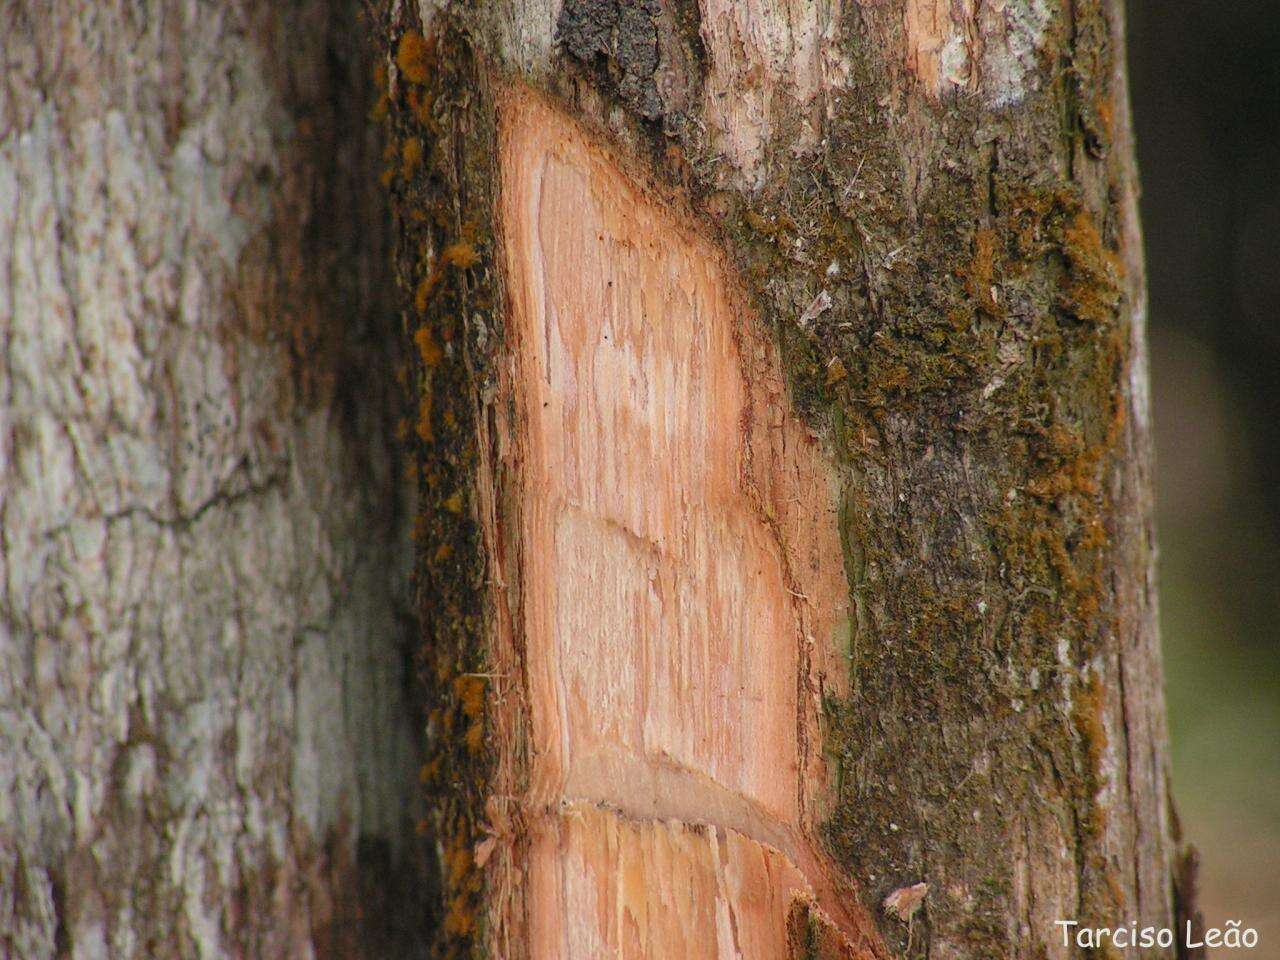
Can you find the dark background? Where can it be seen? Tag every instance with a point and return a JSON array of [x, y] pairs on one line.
[[1205, 83]]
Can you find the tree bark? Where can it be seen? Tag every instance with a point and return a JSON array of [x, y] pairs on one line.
[[784, 544], [779, 434], [208, 744]]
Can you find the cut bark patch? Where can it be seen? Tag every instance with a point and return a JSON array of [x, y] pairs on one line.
[[680, 576]]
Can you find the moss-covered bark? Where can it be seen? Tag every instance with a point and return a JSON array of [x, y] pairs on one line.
[[955, 279]]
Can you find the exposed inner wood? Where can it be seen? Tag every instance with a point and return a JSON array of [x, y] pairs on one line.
[[681, 593], [607, 885]]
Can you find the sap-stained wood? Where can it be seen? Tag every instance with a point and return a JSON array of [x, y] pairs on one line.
[[682, 587]]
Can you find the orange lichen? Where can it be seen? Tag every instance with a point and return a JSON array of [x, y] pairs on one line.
[[1088, 718], [463, 878], [459, 921], [1064, 441], [413, 57], [1089, 723], [1092, 290], [462, 255], [1082, 237], [423, 426], [1119, 414], [382, 105], [980, 279], [427, 286], [428, 349], [410, 157], [469, 689], [420, 103], [458, 861], [389, 154]]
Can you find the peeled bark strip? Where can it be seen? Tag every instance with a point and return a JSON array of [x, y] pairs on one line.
[[783, 452], [206, 744]]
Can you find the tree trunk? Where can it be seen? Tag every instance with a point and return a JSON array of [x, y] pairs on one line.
[[205, 626], [784, 544], [779, 435]]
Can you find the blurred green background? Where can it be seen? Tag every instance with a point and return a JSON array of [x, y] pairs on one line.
[[1205, 77]]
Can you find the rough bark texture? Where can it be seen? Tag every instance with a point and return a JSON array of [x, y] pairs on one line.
[[207, 737], [929, 209]]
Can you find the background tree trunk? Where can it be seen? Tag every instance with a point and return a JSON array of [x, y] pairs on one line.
[[710, 300], [207, 743]]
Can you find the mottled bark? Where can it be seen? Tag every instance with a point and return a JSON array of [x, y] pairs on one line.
[[917, 219], [207, 744]]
